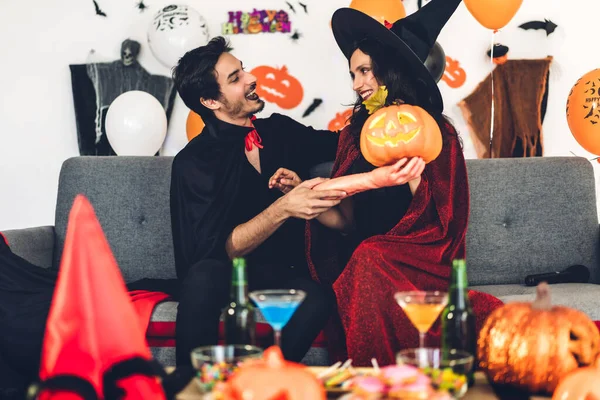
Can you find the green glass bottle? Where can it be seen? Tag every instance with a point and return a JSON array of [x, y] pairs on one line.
[[239, 316], [458, 320]]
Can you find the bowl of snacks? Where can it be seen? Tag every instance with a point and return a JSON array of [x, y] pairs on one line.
[[447, 370], [217, 363]]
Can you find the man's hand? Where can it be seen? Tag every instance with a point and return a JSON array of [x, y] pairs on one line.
[[304, 203], [284, 180], [399, 173]]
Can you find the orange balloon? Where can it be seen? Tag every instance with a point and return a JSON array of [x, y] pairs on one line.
[[382, 10], [583, 111], [493, 14], [193, 125]]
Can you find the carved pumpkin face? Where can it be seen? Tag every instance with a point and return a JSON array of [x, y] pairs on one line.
[[340, 120], [277, 86], [531, 347], [272, 378], [454, 75], [398, 131]]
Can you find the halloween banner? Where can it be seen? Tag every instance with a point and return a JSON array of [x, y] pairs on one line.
[[257, 21]]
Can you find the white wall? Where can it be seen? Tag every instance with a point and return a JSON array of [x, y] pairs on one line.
[[41, 38]]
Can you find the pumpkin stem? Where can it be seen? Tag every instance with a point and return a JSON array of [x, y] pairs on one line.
[[542, 297]]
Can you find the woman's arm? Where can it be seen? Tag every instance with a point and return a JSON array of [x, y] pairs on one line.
[[392, 175]]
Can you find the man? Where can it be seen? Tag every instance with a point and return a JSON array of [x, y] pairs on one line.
[[222, 207]]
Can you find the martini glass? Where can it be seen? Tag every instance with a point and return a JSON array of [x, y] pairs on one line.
[[422, 308], [278, 306]]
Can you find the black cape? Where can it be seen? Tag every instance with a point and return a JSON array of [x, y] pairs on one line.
[[214, 188]]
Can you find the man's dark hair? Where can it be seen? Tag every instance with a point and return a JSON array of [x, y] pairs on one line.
[[195, 76]]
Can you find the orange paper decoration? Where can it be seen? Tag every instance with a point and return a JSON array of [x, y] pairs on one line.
[[454, 75], [583, 111], [340, 120], [276, 85]]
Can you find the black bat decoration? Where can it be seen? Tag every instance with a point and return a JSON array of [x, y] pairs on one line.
[[291, 7], [304, 6], [316, 103], [98, 10], [295, 36], [141, 6], [546, 25]]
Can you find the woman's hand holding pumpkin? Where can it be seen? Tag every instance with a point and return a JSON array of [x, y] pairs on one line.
[[399, 173], [284, 180]]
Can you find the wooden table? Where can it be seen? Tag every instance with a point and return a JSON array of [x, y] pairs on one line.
[[480, 391]]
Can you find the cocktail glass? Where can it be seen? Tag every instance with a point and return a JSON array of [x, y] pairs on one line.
[[422, 309], [278, 306]]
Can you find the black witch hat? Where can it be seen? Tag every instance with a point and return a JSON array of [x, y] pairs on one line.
[[413, 38]]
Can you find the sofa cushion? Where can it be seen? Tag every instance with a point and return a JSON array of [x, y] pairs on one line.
[[130, 196], [530, 216], [580, 296]]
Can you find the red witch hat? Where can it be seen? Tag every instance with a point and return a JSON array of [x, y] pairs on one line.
[[94, 343]]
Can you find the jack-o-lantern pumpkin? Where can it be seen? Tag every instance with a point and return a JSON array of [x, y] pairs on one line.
[[531, 346], [581, 384], [271, 378], [340, 120], [278, 86], [398, 131]]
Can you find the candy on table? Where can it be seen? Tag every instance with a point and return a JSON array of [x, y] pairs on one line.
[[447, 379], [210, 374]]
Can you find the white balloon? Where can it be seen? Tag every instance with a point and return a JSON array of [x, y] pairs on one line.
[[136, 124], [175, 30]]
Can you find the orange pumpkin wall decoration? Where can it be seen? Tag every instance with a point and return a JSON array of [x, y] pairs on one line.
[[340, 120], [398, 131], [271, 378], [531, 346], [278, 86], [454, 75]]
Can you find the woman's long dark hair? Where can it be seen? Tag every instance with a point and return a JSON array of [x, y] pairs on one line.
[[389, 70]]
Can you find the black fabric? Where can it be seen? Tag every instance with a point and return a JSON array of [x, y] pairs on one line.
[[26, 292], [205, 292], [213, 189], [377, 211]]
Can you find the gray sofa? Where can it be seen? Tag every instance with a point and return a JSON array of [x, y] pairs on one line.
[[528, 216]]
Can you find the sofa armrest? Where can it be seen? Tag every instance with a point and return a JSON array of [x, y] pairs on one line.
[[36, 245]]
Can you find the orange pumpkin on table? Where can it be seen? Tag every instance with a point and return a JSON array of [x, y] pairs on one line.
[[278, 86], [398, 131], [531, 346], [581, 384], [271, 378]]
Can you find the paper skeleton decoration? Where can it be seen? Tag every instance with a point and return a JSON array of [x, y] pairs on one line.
[[96, 85]]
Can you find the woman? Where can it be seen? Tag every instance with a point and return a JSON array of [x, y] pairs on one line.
[[405, 224]]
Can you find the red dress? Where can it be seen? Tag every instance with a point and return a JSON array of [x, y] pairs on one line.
[[415, 254]]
